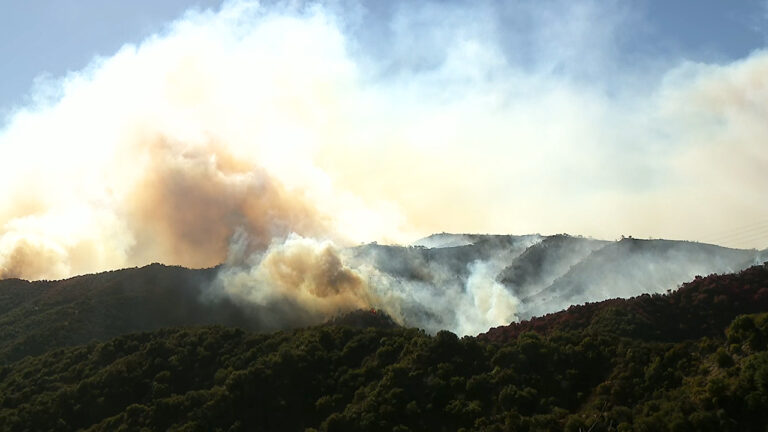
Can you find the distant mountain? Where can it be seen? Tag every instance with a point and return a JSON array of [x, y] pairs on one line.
[[442, 240], [448, 240], [702, 307], [451, 260], [630, 267], [543, 262], [549, 273]]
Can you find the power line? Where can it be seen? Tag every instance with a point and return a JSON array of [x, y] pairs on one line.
[[737, 233], [757, 239], [746, 235]]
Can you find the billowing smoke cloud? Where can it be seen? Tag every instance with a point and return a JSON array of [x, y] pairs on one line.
[[310, 280], [162, 151], [452, 288], [300, 270], [189, 201], [289, 132]]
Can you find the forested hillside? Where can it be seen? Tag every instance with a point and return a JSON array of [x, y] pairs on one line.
[[694, 359], [38, 316]]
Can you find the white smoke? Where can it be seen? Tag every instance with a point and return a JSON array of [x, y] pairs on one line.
[[319, 280]]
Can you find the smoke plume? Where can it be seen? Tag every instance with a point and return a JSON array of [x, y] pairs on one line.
[[276, 136]]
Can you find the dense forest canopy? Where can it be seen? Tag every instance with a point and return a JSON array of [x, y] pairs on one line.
[[693, 359]]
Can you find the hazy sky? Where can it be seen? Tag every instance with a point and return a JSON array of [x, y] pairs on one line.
[[155, 131]]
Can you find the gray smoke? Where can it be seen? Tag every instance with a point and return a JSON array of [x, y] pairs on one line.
[[464, 283]]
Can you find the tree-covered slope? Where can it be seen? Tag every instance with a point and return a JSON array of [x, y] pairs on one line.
[[691, 360], [38, 316]]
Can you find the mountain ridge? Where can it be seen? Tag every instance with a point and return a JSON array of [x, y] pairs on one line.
[[41, 315]]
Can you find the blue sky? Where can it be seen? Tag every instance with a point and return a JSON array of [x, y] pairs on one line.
[[708, 29], [52, 37]]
